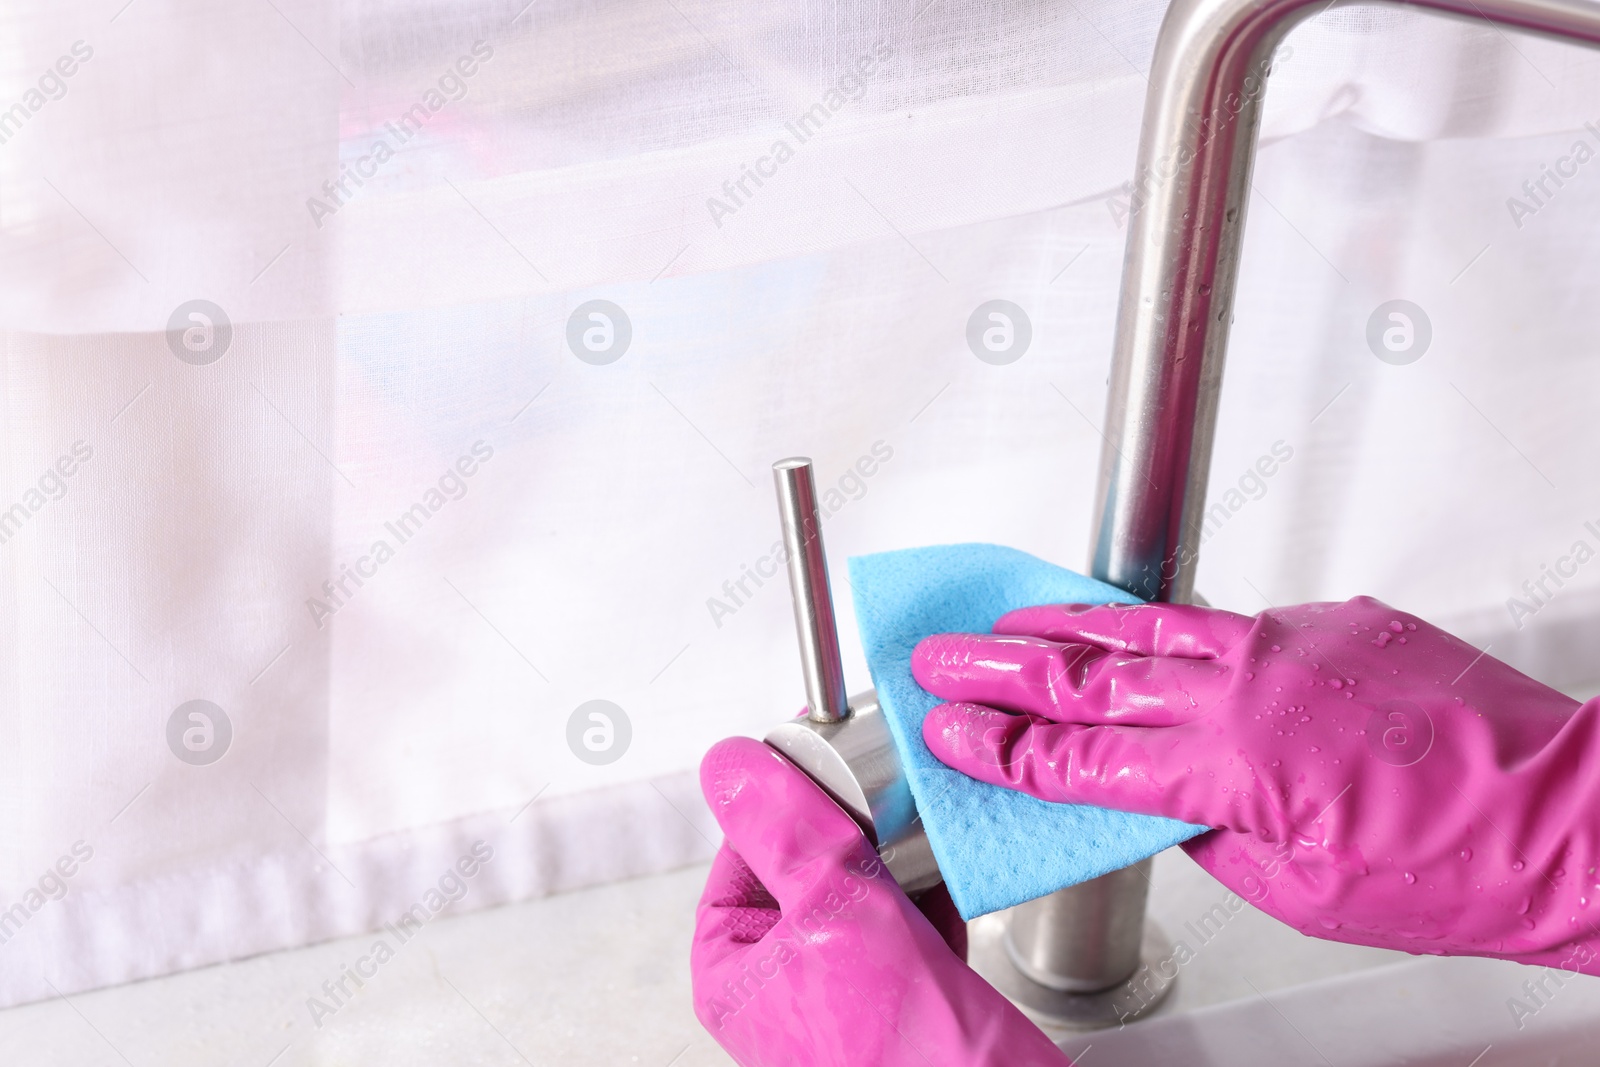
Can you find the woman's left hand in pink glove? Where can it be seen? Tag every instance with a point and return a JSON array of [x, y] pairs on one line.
[[1370, 778], [806, 951]]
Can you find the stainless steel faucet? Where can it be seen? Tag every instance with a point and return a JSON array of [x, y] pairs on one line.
[[1190, 189], [1078, 957]]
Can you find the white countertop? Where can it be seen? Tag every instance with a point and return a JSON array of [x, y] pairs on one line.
[[595, 977]]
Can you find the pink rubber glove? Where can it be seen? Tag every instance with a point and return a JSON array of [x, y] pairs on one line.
[[1371, 778], [806, 952]]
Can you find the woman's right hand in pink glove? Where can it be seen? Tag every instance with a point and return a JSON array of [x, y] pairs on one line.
[[1370, 778]]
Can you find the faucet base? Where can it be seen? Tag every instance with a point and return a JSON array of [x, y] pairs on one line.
[[1057, 1012]]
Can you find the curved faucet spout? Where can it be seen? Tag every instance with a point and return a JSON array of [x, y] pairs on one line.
[[1187, 217]]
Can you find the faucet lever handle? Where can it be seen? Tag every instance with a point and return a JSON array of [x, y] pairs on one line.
[[813, 598]]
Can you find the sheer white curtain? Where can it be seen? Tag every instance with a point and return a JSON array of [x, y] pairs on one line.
[[391, 213]]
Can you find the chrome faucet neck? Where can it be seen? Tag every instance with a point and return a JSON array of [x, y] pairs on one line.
[[1190, 190]]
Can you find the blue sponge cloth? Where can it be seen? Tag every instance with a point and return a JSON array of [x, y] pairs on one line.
[[995, 847]]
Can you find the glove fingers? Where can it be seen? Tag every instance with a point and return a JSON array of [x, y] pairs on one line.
[[1183, 631], [788, 831], [1107, 766], [1066, 682]]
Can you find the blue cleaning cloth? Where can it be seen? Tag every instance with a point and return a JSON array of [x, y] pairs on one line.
[[995, 847]]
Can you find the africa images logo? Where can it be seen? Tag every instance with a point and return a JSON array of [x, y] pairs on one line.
[[850, 86]]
